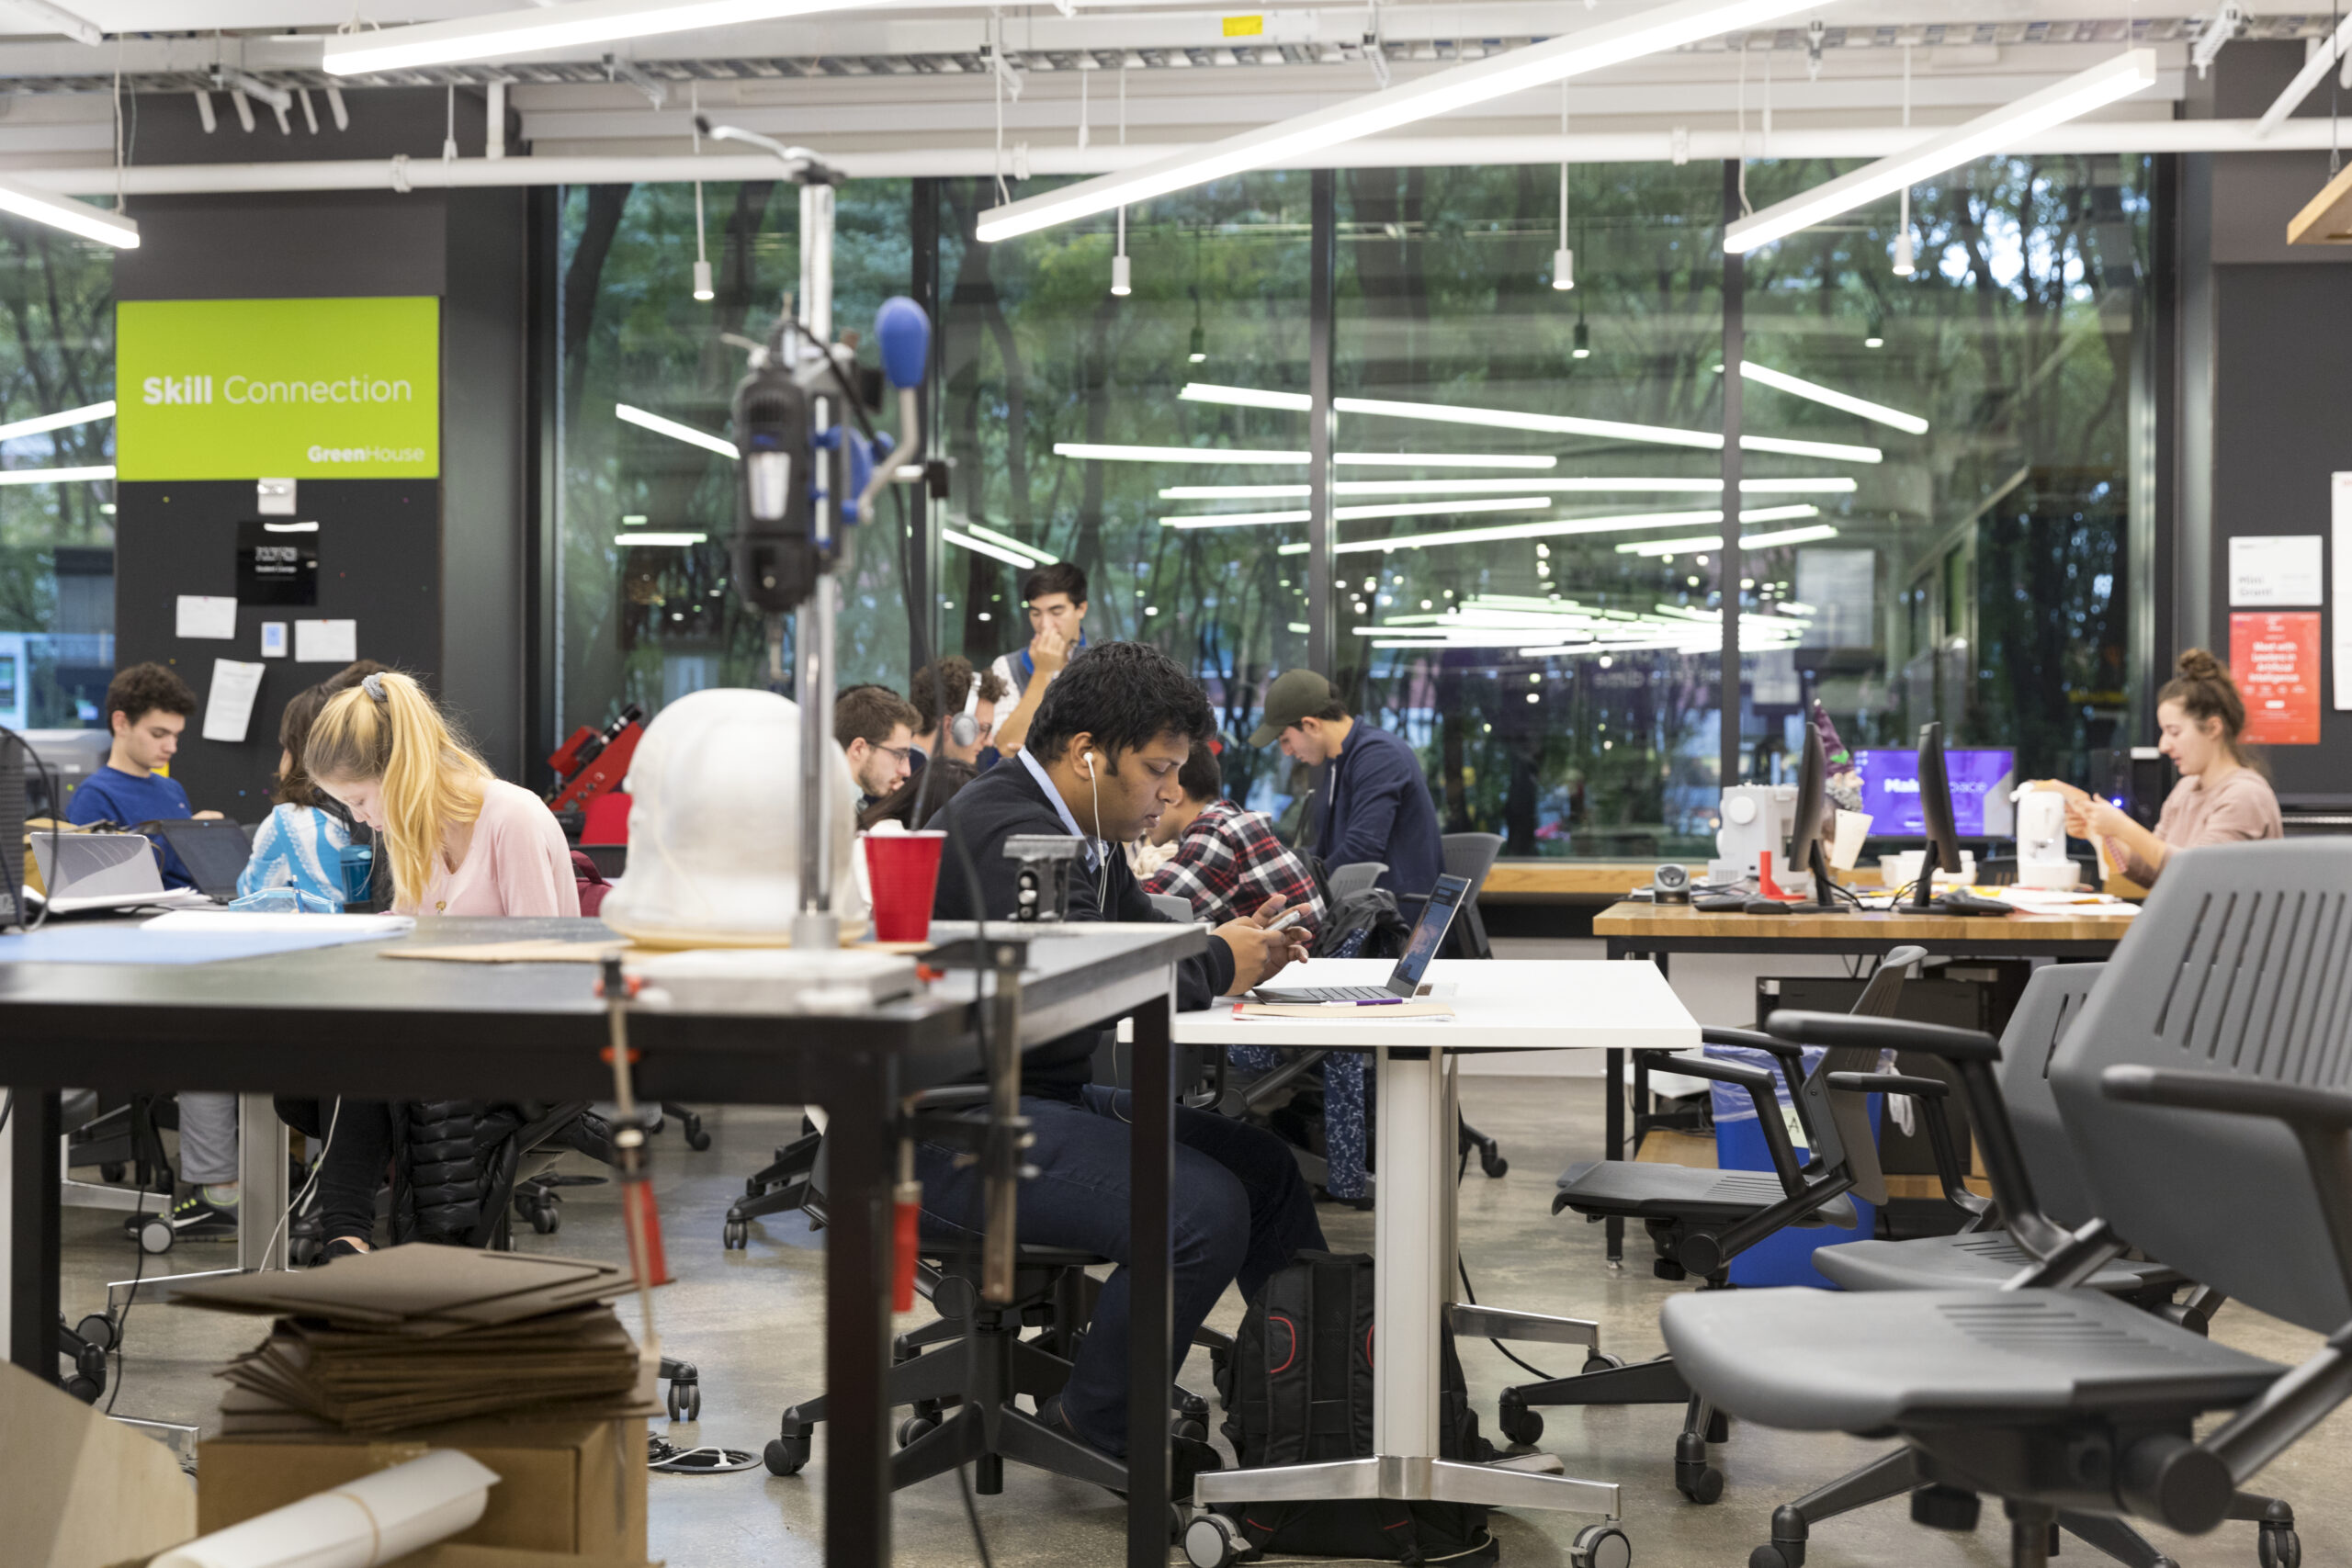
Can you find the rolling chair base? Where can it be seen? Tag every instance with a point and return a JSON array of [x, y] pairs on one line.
[[1606, 1379]]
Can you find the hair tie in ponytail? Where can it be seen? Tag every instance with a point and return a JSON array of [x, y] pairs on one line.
[[374, 686]]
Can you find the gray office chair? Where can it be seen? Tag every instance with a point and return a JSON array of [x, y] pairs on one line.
[[1700, 1219], [1471, 856], [2203, 1088], [1345, 881], [1175, 906]]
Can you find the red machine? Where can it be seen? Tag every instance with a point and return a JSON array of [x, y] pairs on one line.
[[593, 764]]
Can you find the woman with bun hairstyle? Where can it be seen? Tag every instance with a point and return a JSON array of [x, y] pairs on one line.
[[2223, 796], [461, 841]]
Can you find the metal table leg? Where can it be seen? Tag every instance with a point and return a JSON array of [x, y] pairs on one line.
[[1151, 1311], [1612, 1140], [35, 1125], [260, 1184], [857, 1311]]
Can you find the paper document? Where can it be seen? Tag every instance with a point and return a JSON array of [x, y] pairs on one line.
[[2340, 503], [202, 616], [229, 708], [210, 921], [326, 642], [2273, 570]]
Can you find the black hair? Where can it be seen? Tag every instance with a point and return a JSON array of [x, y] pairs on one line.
[[1202, 778], [1058, 578], [1126, 694], [138, 690]]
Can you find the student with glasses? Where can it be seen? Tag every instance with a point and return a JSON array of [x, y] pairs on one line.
[[876, 728]]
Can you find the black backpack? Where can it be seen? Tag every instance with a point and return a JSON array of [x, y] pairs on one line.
[[1297, 1390], [1366, 924]]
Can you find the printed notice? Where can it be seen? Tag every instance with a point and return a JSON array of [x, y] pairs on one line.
[[2275, 658], [2276, 569], [2340, 493], [204, 616], [326, 642], [229, 708]]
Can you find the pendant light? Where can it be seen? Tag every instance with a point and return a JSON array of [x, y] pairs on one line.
[[703, 290], [1199, 350], [1563, 260], [1905, 265], [1122, 280]]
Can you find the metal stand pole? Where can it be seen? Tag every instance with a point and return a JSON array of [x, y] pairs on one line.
[[817, 927]]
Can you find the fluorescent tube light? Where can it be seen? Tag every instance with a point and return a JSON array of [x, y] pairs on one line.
[[985, 548], [41, 421], [1007, 541], [1780, 380], [1444, 460], [1234, 518], [1357, 513], [1244, 397], [1099, 452], [1251, 492], [56, 476], [1710, 542], [1557, 527], [80, 28], [2078, 95], [674, 431], [1826, 485], [644, 537], [73, 217], [1653, 31], [580, 22]]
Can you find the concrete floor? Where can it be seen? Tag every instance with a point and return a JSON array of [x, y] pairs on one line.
[[752, 1321]]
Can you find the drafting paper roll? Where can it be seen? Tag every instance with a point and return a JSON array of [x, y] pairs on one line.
[[356, 1525]]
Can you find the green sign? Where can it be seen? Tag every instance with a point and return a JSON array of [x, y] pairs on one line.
[[277, 388]]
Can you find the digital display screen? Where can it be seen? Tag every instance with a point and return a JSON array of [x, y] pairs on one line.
[[1981, 782]]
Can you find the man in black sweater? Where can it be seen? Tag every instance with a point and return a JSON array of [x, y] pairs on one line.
[[1099, 764]]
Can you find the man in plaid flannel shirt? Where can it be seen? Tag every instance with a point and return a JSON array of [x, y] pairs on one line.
[[1227, 860]]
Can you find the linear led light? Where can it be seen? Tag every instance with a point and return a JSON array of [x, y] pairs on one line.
[[1244, 397], [1548, 423], [644, 537], [73, 217], [41, 421], [1257, 492], [1829, 485], [1551, 527], [56, 476], [505, 33], [1352, 514], [1007, 541], [1444, 460], [1747, 541], [1235, 519], [984, 547], [674, 431], [2078, 95], [1276, 458], [1443, 92], [1780, 380]]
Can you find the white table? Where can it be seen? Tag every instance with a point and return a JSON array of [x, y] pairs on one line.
[[1499, 1005]]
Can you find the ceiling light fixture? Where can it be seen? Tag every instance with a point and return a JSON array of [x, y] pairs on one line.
[[1747, 541], [674, 431], [1903, 264], [1780, 380], [642, 537], [73, 217], [703, 290], [1552, 528], [1358, 514], [1653, 31], [1830, 485], [984, 547], [41, 421], [1101, 452], [56, 476], [568, 26], [1563, 260], [1007, 541], [2128, 72], [1122, 280]]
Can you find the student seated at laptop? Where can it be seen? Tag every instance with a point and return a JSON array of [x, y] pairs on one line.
[[299, 844], [1226, 860], [1100, 764], [147, 708]]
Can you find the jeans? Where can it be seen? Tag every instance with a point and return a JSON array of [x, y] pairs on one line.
[[207, 1137], [1240, 1209], [351, 1170]]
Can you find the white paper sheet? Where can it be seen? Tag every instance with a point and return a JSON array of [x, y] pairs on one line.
[[357, 1525], [2340, 494], [206, 615], [213, 922], [326, 642], [228, 706], [2268, 571]]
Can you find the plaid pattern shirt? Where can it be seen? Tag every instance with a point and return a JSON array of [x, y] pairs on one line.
[[1228, 864]]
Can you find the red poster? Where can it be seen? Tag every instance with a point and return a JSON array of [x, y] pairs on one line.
[[2274, 656]]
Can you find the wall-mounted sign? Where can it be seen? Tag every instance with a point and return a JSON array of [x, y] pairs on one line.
[[2276, 569], [303, 388], [2274, 658], [278, 563]]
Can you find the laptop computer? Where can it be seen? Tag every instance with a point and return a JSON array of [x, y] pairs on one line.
[[1405, 980], [85, 872], [214, 850]]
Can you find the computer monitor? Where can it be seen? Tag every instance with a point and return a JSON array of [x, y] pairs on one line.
[[1981, 779], [1935, 806], [1805, 849]]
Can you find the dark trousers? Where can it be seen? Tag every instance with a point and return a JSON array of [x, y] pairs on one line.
[[1240, 1211], [359, 1150]]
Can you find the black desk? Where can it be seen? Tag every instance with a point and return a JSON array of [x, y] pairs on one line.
[[345, 1020]]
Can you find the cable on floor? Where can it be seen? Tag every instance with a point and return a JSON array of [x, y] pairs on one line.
[[972, 1512]]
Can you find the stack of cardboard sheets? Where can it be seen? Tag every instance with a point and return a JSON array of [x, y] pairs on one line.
[[416, 1335]]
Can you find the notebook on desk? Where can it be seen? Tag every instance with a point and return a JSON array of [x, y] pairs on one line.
[[1405, 980]]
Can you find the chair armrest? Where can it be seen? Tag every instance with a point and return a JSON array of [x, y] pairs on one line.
[[1759, 1085], [1753, 1039], [1891, 1083], [1848, 1029], [2319, 1110], [952, 1097], [1931, 1093]]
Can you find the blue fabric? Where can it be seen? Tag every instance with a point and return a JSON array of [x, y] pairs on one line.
[[1377, 807], [112, 795], [132, 945], [299, 847], [1347, 1108], [1240, 1211], [1061, 806]]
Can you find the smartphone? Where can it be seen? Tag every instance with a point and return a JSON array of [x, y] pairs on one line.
[[1289, 918]]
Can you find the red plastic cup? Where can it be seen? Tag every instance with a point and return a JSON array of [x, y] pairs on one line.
[[904, 870]]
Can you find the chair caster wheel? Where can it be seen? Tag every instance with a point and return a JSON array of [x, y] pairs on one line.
[[155, 1236], [1191, 1406], [1517, 1423], [2279, 1547], [111, 1172], [1701, 1483], [736, 1234], [1492, 1162], [685, 1400], [696, 1139], [1211, 1541], [786, 1455], [1777, 1554], [96, 1331], [914, 1428], [1600, 1546], [87, 1389], [545, 1218], [1601, 1361]]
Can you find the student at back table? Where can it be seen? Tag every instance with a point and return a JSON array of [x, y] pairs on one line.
[[1054, 597], [147, 708], [1375, 803]]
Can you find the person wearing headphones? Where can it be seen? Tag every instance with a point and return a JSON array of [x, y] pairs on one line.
[[1100, 764], [956, 710]]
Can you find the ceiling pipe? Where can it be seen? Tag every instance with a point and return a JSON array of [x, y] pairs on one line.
[[428, 173]]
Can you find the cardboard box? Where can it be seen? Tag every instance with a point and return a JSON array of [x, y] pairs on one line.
[[448, 1556], [574, 1487], [77, 1490]]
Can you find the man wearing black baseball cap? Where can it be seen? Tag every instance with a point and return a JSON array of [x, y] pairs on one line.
[[1375, 802]]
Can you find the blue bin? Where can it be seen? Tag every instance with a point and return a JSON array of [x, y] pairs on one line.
[[1785, 1259]]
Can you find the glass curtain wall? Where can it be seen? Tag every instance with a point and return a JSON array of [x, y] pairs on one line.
[[1975, 573], [56, 539]]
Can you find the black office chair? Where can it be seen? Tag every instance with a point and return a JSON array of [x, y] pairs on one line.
[[2203, 1090], [1700, 1219]]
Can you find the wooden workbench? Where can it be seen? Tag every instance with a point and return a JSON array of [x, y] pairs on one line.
[[1631, 928]]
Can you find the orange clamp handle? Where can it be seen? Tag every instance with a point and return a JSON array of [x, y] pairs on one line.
[[907, 1216], [644, 1225]]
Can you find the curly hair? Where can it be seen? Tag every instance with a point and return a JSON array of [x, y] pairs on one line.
[[953, 677], [2203, 690], [144, 689], [1126, 694]]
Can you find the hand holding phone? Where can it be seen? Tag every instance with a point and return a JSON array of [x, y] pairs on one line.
[[1290, 919]]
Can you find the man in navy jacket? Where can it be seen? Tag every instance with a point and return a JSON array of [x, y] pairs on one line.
[[1375, 803]]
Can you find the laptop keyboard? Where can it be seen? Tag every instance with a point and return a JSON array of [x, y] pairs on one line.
[[1334, 993]]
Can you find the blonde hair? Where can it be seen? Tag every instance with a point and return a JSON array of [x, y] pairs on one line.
[[386, 730]]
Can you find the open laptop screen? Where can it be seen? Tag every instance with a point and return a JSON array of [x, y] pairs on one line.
[[1429, 934]]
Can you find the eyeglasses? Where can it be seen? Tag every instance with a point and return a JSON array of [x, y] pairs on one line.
[[903, 753]]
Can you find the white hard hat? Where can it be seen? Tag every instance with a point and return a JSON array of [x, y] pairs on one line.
[[714, 824]]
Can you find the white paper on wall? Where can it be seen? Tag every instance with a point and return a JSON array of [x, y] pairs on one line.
[[326, 642], [2275, 570], [228, 706], [205, 615], [2340, 606]]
